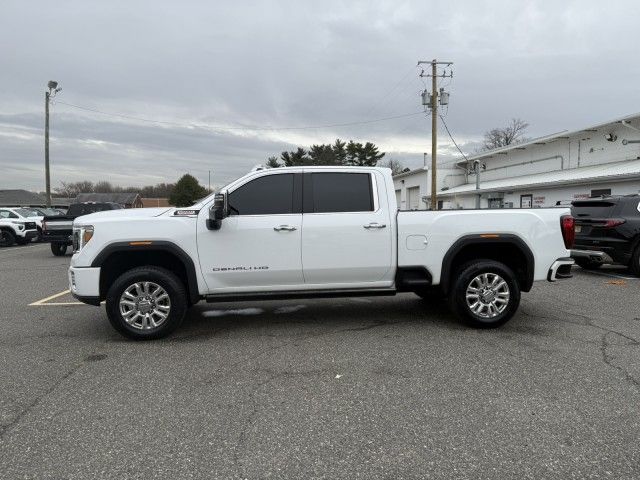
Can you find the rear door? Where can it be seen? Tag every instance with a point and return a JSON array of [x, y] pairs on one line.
[[346, 231]]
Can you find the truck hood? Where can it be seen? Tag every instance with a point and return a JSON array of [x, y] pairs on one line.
[[122, 214]]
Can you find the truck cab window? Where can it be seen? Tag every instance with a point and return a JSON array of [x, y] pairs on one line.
[[338, 192], [7, 214], [268, 195]]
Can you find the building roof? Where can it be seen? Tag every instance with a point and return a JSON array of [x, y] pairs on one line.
[[120, 198], [410, 172], [13, 198], [627, 170], [562, 135]]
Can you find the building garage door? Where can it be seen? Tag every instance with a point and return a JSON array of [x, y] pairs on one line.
[[413, 198], [398, 198]]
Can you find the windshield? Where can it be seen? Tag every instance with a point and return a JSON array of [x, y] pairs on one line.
[[25, 212], [49, 212]]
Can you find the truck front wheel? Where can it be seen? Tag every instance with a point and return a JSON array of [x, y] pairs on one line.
[[146, 303], [58, 249], [485, 294], [7, 238]]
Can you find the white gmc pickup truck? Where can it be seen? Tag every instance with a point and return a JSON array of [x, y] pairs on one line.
[[311, 232]]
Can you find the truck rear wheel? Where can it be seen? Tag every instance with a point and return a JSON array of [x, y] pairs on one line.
[[58, 249], [7, 238], [146, 303], [485, 294]]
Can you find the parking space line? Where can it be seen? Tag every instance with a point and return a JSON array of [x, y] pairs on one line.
[[613, 275], [46, 303], [41, 302]]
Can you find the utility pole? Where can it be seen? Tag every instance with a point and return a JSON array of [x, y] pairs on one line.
[[48, 95], [477, 170], [433, 105]]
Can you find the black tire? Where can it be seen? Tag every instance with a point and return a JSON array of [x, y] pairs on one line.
[[464, 278], [7, 238], [161, 277], [59, 249], [588, 264], [634, 266], [22, 241]]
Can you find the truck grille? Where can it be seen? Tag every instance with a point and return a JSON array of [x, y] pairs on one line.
[[30, 225]]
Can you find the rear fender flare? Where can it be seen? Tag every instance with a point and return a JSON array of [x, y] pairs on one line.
[[477, 239]]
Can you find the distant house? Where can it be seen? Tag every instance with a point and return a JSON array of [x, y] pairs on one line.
[[155, 202], [21, 198], [127, 200]]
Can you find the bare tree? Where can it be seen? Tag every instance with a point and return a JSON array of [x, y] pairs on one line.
[[396, 166], [512, 134]]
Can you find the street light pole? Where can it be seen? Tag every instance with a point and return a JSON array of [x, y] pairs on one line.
[[47, 176], [48, 95]]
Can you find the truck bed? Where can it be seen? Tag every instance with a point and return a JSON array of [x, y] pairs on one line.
[[425, 237]]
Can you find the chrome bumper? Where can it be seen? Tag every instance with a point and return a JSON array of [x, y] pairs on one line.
[[592, 256], [560, 269]]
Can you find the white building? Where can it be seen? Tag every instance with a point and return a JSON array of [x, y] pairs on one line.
[[599, 160]]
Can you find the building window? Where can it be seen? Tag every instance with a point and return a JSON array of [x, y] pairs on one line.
[[495, 203], [526, 201], [601, 192]]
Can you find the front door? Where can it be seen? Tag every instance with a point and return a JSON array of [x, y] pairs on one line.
[[258, 245], [346, 233]]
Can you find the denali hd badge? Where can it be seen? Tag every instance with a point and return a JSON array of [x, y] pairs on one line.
[[185, 213], [238, 269]]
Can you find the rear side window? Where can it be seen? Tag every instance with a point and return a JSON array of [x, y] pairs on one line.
[[338, 192], [268, 195], [593, 209]]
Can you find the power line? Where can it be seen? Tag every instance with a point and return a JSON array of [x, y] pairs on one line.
[[245, 128], [452, 139], [384, 100]]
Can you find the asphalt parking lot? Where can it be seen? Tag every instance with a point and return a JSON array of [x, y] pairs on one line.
[[342, 388]]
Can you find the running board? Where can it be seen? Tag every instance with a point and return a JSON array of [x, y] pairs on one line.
[[285, 295]]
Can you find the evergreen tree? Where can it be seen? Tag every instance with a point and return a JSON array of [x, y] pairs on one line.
[[187, 191]]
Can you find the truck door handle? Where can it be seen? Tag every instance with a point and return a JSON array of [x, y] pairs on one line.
[[374, 225], [287, 228]]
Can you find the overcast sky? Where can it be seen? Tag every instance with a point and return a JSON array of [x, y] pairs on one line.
[[219, 72]]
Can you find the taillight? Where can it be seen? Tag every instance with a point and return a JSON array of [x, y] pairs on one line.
[[613, 222], [568, 227]]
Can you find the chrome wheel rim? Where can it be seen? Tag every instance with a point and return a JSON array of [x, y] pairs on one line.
[[488, 295], [145, 305]]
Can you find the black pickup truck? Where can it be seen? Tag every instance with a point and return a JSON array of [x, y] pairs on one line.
[[58, 229]]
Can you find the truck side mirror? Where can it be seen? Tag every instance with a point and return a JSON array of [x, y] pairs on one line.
[[218, 211]]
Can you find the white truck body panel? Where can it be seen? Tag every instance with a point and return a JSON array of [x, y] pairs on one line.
[[539, 229], [322, 251]]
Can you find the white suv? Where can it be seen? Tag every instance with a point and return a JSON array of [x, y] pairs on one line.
[[14, 229]]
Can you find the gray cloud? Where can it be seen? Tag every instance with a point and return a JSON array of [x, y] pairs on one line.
[[557, 65]]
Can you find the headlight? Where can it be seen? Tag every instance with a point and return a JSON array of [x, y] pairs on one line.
[[81, 236]]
